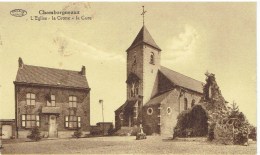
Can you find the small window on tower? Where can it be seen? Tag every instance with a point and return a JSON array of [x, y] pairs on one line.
[[152, 58], [134, 57]]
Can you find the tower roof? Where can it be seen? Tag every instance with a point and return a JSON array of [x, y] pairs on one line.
[[144, 37]]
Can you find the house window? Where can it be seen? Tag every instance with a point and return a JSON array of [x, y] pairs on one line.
[[150, 111], [192, 102], [72, 122], [30, 99], [73, 101], [29, 121], [152, 58], [185, 103], [52, 102]]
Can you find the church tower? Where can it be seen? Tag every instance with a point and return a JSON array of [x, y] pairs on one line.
[[143, 63]]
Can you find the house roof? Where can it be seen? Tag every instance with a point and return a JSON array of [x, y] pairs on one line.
[[182, 80], [158, 99], [51, 77], [144, 37]]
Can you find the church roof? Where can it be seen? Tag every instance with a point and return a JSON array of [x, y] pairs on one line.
[[51, 77], [182, 80], [132, 77], [158, 99], [144, 37], [126, 105]]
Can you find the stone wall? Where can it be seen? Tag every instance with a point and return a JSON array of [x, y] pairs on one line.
[[151, 123], [176, 103], [136, 69], [150, 72]]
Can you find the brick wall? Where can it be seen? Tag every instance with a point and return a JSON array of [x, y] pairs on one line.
[[62, 101]]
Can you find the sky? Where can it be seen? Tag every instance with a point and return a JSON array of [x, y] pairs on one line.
[[194, 38]]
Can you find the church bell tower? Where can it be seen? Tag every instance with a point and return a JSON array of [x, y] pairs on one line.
[[143, 63]]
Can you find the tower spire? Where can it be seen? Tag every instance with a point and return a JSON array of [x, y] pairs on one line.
[[143, 14]]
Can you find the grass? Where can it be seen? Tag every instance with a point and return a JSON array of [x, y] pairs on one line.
[[112, 145]]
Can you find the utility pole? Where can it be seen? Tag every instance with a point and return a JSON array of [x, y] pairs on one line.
[[101, 102]]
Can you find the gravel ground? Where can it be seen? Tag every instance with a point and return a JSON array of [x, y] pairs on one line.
[[112, 145]]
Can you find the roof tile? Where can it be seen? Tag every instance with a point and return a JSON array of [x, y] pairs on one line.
[[144, 37], [50, 76], [182, 80]]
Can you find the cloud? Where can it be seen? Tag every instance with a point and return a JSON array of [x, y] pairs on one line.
[[66, 46], [182, 44]]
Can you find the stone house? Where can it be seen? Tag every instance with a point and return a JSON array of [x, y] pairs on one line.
[[55, 100], [155, 94]]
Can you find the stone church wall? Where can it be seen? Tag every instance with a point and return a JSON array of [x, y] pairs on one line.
[[176, 104], [150, 71], [151, 122], [137, 68]]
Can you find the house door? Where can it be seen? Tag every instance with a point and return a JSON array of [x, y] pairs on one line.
[[7, 131], [52, 126]]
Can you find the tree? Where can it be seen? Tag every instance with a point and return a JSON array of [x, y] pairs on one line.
[[35, 134]]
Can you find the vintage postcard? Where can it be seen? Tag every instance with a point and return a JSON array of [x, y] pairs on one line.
[[128, 78]]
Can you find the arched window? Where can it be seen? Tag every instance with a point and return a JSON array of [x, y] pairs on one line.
[[134, 87], [152, 58], [135, 57], [192, 102], [185, 103]]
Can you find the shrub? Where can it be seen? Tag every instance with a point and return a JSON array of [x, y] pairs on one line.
[[77, 133], [192, 123], [35, 134], [252, 133]]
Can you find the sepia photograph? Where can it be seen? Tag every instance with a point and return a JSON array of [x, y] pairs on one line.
[[128, 78]]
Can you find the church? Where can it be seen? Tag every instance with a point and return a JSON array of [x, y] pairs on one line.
[[155, 94]]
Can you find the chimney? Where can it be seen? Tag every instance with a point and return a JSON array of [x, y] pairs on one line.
[[20, 61], [83, 71]]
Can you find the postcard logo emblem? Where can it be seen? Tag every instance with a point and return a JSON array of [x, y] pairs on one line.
[[18, 12]]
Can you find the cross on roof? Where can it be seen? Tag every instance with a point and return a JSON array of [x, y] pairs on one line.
[[143, 14]]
